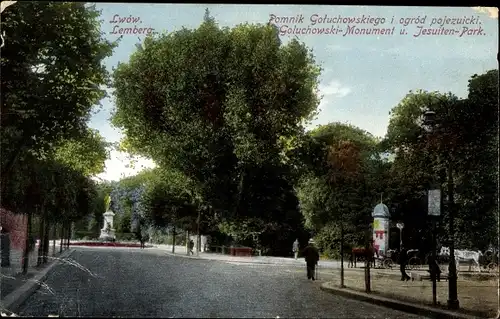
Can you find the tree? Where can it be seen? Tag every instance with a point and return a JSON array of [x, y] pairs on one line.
[[171, 201], [51, 77], [86, 154], [337, 191], [215, 104], [421, 162]]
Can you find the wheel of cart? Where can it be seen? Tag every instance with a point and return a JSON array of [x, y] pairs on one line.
[[414, 263], [493, 267], [388, 260], [387, 263]]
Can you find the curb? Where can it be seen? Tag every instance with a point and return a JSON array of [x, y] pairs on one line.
[[422, 310], [15, 299], [231, 261]]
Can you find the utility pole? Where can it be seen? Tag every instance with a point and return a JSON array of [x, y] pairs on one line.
[[198, 240]]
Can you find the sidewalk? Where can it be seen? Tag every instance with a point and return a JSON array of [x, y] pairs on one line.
[[12, 277], [477, 298], [181, 251]]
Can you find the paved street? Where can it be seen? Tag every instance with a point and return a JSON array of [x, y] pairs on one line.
[[147, 283]]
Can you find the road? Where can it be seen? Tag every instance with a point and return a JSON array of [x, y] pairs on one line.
[[148, 283]]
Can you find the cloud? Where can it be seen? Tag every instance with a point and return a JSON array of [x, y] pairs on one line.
[[119, 166], [334, 89], [492, 12]]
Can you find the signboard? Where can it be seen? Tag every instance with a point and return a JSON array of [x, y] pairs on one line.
[[434, 208]]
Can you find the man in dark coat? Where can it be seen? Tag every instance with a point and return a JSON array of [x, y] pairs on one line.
[[191, 247], [311, 256], [403, 261], [434, 269]]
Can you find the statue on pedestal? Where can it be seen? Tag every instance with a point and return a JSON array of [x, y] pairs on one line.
[[108, 232]]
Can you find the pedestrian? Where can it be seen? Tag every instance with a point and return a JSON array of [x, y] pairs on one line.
[[311, 255], [434, 269], [295, 248], [191, 246], [371, 253], [403, 261]]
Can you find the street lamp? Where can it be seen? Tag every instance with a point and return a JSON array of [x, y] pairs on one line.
[[400, 226], [431, 124], [434, 211]]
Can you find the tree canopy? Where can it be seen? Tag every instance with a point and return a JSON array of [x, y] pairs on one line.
[[218, 105]]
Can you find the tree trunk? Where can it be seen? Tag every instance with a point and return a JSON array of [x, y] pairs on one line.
[[198, 237], [240, 193], [26, 260], [173, 240], [41, 230], [342, 285], [54, 235], [46, 242], [68, 235], [187, 243], [61, 235]]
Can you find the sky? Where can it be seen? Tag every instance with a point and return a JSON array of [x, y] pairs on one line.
[[364, 75]]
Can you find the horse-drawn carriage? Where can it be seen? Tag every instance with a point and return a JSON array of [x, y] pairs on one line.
[[474, 259], [360, 254]]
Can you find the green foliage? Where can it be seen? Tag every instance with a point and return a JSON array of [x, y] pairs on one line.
[[49, 75], [467, 137], [171, 200], [215, 104], [125, 236], [338, 187], [51, 79], [86, 154], [123, 222]]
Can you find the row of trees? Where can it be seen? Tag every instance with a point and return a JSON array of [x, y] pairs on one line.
[[223, 112], [52, 77]]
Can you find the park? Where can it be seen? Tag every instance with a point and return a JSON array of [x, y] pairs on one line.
[[244, 165]]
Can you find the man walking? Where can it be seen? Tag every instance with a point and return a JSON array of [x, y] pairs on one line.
[[191, 246], [403, 261], [311, 255], [295, 248]]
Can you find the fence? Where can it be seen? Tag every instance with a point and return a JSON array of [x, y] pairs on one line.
[[14, 229]]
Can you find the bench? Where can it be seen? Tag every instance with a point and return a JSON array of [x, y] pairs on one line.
[[241, 251], [419, 277]]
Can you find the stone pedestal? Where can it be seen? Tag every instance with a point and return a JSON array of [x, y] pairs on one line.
[[108, 232]]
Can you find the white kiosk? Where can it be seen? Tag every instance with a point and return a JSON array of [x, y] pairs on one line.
[[381, 218]]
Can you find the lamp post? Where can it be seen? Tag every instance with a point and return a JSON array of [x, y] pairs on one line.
[[369, 254], [430, 124], [400, 226], [434, 211]]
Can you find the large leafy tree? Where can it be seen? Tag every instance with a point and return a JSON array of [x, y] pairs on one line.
[[52, 74], [216, 104], [171, 200], [86, 154], [338, 189], [466, 136]]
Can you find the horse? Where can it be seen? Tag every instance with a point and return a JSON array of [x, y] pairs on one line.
[[361, 253], [472, 257]]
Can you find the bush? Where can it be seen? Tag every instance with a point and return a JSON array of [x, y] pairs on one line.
[[326, 241], [83, 234], [126, 237]]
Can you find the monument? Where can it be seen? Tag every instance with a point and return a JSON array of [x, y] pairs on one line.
[[108, 232], [381, 218]]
